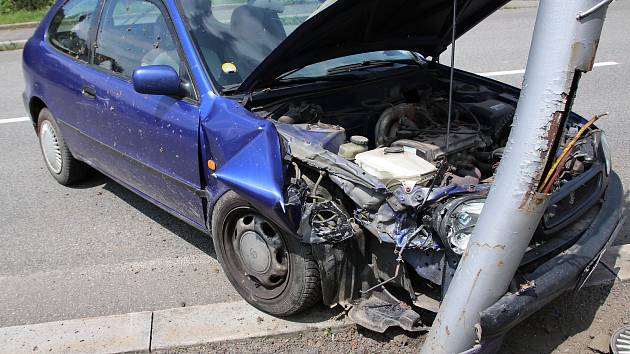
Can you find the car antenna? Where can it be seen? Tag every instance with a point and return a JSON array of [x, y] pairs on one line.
[[443, 167], [450, 86]]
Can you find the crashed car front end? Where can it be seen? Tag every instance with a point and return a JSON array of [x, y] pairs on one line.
[[388, 242], [340, 134]]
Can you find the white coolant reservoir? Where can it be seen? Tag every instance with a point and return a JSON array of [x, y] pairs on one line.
[[357, 145], [396, 165]]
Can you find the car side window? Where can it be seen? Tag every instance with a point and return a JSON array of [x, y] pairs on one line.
[[70, 28], [134, 33]]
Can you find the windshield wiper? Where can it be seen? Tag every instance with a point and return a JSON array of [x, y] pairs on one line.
[[369, 64], [286, 79], [311, 79]]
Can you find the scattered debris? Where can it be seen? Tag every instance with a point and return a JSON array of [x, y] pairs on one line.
[[600, 344]]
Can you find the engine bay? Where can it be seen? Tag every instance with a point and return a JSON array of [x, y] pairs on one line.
[[412, 133], [384, 158]]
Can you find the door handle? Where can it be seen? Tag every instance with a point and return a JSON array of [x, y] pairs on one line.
[[88, 91]]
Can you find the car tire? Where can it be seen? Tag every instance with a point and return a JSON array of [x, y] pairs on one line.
[[241, 235], [57, 157]]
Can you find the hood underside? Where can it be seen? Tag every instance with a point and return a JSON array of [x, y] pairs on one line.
[[349, 27]]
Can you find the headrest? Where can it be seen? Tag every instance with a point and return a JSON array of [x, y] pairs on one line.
[[273, 5], [193, 8]]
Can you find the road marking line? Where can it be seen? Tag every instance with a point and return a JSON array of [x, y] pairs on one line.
[[522, 71], [502, 73], [606, 63], [14, 120]]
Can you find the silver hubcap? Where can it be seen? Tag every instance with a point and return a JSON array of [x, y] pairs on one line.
[[255, 253], [50, 147], [261, 251]]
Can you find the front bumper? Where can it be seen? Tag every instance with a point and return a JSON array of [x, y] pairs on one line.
[[568, 270]]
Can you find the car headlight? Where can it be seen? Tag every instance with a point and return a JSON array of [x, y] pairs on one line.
[[606, 150], [455, 221]]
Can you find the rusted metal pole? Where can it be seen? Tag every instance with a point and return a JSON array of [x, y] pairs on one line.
[[565, 40]]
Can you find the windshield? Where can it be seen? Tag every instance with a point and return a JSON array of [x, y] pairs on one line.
[[235, 36]]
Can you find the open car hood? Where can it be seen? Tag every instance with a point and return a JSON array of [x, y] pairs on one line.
[[347, 27]]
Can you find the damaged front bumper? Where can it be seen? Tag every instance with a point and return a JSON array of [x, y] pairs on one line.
[[355, 266], [568, 270]]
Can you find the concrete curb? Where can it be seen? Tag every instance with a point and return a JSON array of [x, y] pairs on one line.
[[12, 45], [13, 26], [221, 322], [147, 331], [184, 327], [112, 334]]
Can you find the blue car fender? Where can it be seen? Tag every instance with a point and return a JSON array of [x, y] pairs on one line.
[[247, 152]]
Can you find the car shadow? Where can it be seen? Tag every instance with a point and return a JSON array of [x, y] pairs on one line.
[[570, 314], [184, 231], [94, 179]]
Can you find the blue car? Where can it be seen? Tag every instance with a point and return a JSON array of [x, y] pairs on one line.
[[308, 139]]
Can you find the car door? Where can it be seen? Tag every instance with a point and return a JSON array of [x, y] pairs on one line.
[[151, 140], [67, 71]]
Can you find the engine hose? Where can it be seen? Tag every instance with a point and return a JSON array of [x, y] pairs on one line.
[[388, 118]]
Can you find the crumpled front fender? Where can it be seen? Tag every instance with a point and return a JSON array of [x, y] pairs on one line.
[[248, 156]]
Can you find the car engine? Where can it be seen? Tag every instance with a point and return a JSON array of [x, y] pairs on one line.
[[409, 140]]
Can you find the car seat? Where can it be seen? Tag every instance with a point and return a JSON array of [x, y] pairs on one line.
[[258, 28], [214, 39]]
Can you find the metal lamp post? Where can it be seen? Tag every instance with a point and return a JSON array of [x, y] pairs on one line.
[[564, 43]]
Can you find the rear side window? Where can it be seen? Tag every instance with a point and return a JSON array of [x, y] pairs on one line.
[[70, 28], [134, 33]]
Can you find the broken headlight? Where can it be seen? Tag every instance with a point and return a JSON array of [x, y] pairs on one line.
[[455, 221]]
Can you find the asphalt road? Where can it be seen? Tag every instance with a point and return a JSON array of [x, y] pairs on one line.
[[98, 249]]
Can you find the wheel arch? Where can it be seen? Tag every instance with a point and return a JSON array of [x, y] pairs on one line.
[[35, 106]]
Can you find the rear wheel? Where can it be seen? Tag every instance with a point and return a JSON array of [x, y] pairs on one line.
[[59, 161], [272, 271]]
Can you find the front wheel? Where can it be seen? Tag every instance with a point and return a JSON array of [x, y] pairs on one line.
[[59, 161], [272, 271]]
